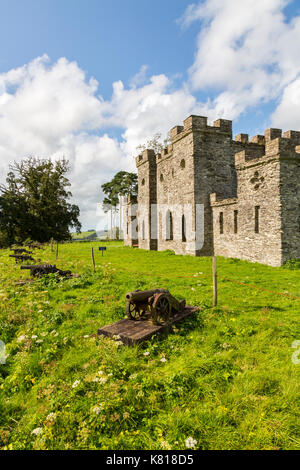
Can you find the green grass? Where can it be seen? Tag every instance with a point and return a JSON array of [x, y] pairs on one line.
[[227, 381], [84, 235]]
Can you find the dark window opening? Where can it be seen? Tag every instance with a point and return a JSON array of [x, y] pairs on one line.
[[257, 210], [183, 228], [221, 221], [236, 221], [169, 226]]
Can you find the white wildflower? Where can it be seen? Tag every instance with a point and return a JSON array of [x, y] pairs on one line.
[[76, 383], [190, 443], [86, 336], [37, 431], [97, 409], [133, 376], [33, 336], [103, 380], [165, 445], [146, 353], [51, 417], [21, 338], [40, 311], [163, 359]]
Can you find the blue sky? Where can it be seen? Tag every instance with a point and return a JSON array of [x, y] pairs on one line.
[[110, 40], [92, 79]]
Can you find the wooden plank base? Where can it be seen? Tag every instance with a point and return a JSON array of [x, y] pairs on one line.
[[132, 332]]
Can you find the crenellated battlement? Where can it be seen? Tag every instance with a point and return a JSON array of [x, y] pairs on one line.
[[248, 186], [283, 146], [148, 155], [250, 153], [199, 123], [165, 153]]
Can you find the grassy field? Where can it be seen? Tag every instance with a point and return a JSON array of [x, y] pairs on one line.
[[224, 378], [84, 235]]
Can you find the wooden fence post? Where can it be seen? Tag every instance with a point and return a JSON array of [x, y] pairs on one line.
[[93, 258], [215, 281]]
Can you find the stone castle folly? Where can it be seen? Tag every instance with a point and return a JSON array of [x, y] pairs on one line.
[[246, 194]]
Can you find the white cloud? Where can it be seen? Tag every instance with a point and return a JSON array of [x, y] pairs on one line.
[[51, 109], [246, 52], [287, 115]]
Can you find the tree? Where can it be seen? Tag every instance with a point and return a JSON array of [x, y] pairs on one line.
[[122, 184], [155, 143], [34, 203]]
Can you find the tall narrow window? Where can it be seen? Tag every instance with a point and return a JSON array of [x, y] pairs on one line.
[[257, 210], [169, 226], [236, 221], [221, 222], [160, 226], [183, 228]]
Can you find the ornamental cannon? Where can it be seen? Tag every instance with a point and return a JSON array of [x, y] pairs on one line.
[[159, 304]]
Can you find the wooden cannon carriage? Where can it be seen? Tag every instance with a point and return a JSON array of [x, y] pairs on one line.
[[159, 303]]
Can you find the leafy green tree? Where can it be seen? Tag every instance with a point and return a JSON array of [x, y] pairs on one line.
[[34, 202], [122, 184]]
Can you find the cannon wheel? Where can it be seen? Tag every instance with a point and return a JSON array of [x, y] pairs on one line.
[[133, 311], [162, 308]]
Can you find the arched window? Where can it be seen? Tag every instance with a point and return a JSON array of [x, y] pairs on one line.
[[183, 228], [169, 226]]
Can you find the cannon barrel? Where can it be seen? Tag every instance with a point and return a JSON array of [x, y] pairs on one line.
[[142, 295], [32, 266]]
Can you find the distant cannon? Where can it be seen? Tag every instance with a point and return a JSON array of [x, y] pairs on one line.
[[38, 246], [41, 269], [20, 251], [21, 257], [159, 302]]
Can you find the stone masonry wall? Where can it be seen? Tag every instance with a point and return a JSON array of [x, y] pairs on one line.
[[147, 195], [254, 184], [257, 235]]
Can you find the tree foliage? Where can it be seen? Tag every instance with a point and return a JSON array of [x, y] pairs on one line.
[[34, 202], [155, 143], [122, 184]]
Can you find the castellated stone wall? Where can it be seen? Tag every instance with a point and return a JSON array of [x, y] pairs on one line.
[[147, 197], [130, 221], [262, 223], [248, 193]]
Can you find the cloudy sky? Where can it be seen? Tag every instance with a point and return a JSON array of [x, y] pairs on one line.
[[92, 79]]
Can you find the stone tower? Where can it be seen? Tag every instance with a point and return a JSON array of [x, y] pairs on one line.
[[248, 193]]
